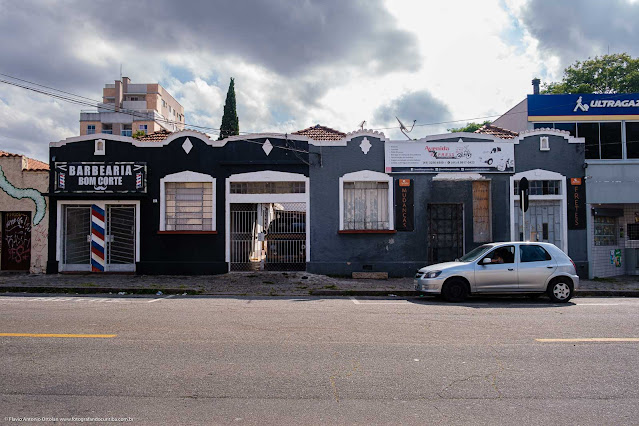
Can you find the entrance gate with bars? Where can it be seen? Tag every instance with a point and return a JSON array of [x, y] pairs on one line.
[[268, 236], [98, 239]]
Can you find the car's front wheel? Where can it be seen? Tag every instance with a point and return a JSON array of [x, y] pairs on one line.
[[455, 290], [560, 291]]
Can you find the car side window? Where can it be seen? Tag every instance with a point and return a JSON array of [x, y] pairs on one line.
[[532, 253], [504, 254]]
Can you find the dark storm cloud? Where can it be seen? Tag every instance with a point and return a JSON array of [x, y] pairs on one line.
[[578, 30], [39, 43], [287, 37], [420, 106]]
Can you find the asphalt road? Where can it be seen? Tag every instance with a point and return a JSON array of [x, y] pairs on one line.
[[212, 360]]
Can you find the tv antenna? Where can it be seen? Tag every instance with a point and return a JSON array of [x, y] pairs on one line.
[[405, 130], [361, 125]]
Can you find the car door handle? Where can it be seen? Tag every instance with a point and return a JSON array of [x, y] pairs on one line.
[[511, 269], [549, 267]]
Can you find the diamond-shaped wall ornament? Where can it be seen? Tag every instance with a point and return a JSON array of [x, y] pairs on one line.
[[187, 146], [267, 147], [365, 146]]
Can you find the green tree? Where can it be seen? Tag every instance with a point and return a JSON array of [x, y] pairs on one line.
[[469, 127], [230, 123], [616, 73]]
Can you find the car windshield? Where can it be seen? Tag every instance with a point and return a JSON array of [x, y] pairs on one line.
[[474, 254]]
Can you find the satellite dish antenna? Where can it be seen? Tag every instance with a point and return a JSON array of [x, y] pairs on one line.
[[361, 125], [403, 128]]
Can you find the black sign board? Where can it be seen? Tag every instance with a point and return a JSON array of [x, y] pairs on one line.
[[576, 203], [96, 177], [404, 205], [523, 194]]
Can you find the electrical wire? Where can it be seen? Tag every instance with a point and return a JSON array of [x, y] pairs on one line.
[[84, 101]]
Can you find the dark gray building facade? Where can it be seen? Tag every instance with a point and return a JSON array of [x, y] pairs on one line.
[[395, 206]]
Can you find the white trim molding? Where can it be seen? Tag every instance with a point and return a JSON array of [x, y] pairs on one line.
[[541, 174], [186, 176], [367, 176], [556, 132]]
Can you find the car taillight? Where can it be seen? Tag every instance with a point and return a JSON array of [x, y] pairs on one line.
[[573, 265]]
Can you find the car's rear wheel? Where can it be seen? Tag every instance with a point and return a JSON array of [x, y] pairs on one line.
[[560, 291], [455, 290]]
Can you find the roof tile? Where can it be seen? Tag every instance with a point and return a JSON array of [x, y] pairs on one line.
[[321, 133]]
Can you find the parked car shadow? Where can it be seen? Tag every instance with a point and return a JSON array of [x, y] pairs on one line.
[[494, 302]]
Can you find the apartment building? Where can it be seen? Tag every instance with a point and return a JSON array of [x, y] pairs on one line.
[[127, 108]]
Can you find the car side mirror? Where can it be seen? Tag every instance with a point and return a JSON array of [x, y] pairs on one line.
[[486, 261]]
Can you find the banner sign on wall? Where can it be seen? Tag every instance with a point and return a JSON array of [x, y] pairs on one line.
[[576, 203], [440, 157], [404, 205], [98, 177]]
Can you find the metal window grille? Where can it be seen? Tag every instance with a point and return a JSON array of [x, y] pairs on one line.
[[541, 187], [268, 187], [366, 205], [189, 206], [633, 231], [605, 231]]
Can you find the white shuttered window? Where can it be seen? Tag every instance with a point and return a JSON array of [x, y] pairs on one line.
[[366, 206], [189, 206]]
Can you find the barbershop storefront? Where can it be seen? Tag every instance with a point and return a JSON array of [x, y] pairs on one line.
[[99, 235], [183, 205]]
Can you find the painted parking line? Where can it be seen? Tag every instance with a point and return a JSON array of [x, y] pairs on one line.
[[591, 339], [161, 298], [90, 336], [393, 302]]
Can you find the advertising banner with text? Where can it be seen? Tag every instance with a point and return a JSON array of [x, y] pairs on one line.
[[440, 157]]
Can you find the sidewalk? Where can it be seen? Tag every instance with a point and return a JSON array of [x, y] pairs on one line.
[[258, 284]]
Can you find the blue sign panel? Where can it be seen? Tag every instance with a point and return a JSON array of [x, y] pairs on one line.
[[583, 105]]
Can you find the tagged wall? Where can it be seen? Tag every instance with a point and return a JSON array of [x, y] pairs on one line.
[[24, 213]]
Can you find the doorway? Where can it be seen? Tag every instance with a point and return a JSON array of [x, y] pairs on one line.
[[446, 232], [99, 237], [268, 236], [16, 241]]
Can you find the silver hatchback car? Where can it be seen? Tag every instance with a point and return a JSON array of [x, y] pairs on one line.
[[503, 268]]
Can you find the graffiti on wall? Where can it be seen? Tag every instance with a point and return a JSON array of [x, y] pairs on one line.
[[17, 237], [30, 193]]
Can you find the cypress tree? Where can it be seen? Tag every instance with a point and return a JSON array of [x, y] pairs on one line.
[[230, 123]]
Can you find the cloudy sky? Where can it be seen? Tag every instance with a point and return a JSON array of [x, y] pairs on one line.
[[297, 63]]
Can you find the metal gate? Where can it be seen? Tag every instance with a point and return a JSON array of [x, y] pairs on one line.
[[268, 236], [116, 242], [543, 222], [446, 232], [120, 237], [76, 247]]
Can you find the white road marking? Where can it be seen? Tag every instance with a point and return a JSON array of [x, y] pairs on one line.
[[605, 304], [161, 298], [398, 302], [591, 339]]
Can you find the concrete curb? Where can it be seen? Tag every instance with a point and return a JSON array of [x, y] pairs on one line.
[[333, 293], [96, 290]]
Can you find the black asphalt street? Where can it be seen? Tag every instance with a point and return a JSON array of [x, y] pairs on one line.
[[235, 360]]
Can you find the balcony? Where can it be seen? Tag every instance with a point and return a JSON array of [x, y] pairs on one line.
[[134, 105], [136, 88]]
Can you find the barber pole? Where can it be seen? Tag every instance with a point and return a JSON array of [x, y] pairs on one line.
[[97, 239]]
